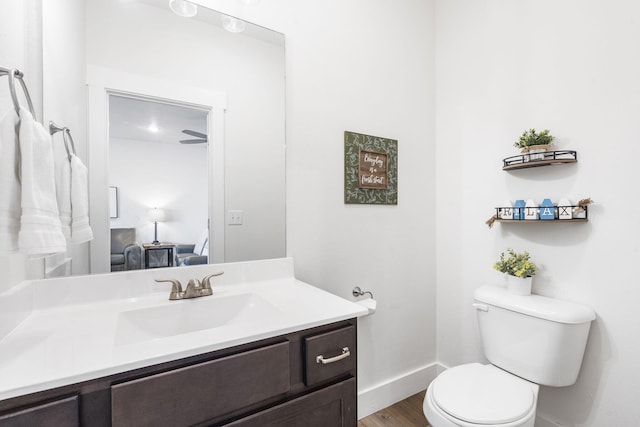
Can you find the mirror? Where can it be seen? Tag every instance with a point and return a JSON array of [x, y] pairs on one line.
[[142, 51]]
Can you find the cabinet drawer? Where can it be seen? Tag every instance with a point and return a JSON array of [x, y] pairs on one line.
[[197, 393], [330, 406], [61, 413], [329, 355]]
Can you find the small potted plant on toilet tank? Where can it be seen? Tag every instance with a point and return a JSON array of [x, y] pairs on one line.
[[533, 143], [519, 270]]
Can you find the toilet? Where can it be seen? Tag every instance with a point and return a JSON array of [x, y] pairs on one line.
[[529, 341]]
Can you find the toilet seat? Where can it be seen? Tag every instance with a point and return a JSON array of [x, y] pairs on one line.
[[483, 394]]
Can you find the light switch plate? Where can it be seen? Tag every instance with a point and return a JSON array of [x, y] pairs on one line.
[[235, 218]]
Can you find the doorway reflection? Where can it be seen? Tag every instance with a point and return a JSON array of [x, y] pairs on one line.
[[158, 164]]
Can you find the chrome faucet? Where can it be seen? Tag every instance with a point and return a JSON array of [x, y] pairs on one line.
[[195, 288]]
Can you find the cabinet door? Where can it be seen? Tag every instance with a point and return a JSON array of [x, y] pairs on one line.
[[201, 392], [61, 413], [333, 406]]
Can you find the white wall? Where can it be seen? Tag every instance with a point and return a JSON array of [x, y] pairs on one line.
[[572, 67], [21, 48], [366, 67], [168, 176], [64, 94]]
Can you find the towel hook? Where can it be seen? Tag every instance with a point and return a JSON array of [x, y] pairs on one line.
[[14, 73], [54, 128]]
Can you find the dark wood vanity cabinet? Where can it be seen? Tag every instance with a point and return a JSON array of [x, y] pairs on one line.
[[305, 378], [62, 412]]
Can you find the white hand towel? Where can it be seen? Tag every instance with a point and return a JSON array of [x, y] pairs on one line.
[[40, 229], [63, 193], [80, 229], [9, 183]]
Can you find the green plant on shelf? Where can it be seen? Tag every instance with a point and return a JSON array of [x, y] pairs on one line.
[[516, 264], [530, 138]]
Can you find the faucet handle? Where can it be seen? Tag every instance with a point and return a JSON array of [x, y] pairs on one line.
[[206, 280], [193, 289], [193, 283], [176, 288]]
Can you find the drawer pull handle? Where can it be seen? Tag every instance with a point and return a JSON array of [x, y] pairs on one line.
[[345, 353]]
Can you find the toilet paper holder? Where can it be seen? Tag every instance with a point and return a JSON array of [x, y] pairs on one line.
[[357, 292]]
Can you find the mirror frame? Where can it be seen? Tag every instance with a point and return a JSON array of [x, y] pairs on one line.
[[101, 84]]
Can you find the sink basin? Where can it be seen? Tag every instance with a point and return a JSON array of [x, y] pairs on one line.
[[190, 315]]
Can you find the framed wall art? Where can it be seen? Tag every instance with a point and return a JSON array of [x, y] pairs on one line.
[[113, 202], [370, 169]]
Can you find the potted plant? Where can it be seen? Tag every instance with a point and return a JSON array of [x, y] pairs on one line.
[[519, 270], [533, 143]]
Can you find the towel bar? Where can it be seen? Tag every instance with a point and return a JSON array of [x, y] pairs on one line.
[[14, 73]]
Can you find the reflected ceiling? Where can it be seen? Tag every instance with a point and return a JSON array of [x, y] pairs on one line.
[[141, 120]]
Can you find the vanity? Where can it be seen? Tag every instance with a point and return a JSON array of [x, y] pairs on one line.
[[102, 350]]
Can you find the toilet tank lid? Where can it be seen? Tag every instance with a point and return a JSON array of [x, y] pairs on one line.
[[535, 305]]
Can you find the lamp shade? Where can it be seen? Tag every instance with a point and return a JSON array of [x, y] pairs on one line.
[[156, 215]]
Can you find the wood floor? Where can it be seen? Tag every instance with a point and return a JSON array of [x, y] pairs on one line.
[[406, 413]]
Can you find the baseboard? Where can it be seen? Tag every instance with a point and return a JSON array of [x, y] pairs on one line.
[[543, 422], [387, 393]]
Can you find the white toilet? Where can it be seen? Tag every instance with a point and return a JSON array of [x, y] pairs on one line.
[[529, 340]]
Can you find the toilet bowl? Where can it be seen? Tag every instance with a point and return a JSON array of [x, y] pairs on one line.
[[529, 341], [475, 395]]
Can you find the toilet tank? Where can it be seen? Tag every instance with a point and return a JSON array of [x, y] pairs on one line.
[[537, 338]]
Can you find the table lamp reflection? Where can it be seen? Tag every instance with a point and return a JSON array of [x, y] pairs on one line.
[[156, 215]]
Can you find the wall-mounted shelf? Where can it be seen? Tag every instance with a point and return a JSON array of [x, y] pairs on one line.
[[534, 160], [581, 213], [521, 221]]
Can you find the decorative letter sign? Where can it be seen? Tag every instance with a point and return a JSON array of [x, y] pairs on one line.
[[547, 211], [531, 210], [506, 212], [372, 170], [518, 209], [564, 209]]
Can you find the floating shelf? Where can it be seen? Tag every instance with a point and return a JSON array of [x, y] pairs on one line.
[[524, 161], [508, 221], [556, 210]]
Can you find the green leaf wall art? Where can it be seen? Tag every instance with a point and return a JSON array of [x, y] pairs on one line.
[[354, 144]]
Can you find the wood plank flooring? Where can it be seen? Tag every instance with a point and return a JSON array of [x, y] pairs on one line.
[[406, 413]]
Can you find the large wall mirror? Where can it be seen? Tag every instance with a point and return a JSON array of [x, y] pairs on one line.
[[185, 128]]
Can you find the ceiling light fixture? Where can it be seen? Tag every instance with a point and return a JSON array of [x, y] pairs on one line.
[[183, 8], [153, 128], [233, 25], [250, 2]]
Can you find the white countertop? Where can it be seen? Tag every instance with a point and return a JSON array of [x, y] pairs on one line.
[[70, 333]]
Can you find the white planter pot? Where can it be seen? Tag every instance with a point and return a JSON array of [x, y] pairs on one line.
[[519, 286], [534, 152]]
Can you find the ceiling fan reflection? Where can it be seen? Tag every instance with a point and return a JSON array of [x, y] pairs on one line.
[[201, 138]]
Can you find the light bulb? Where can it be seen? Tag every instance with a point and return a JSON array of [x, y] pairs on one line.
[[233, 25], [183, 8]]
